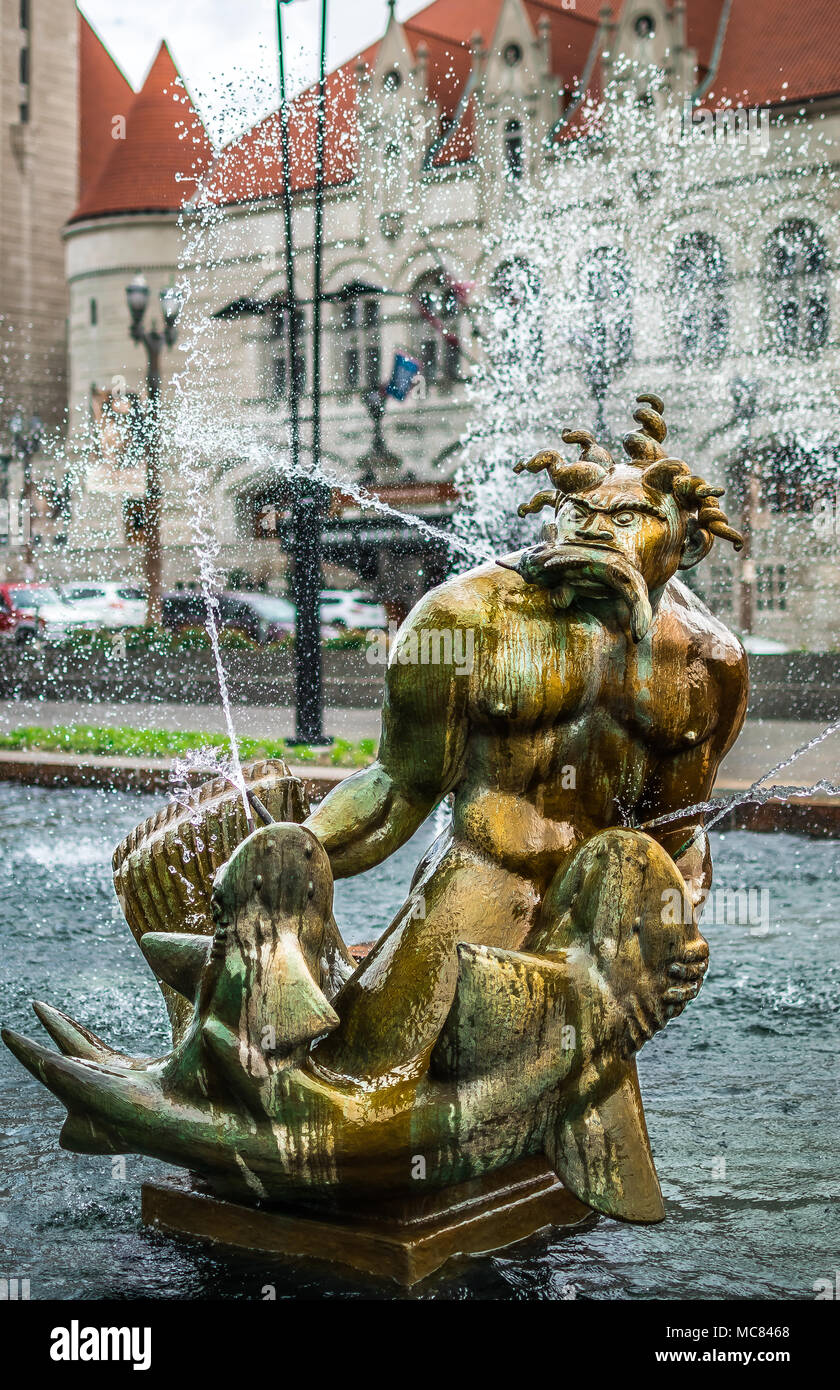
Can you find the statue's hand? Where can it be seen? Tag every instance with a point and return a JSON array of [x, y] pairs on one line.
[[688, 975]]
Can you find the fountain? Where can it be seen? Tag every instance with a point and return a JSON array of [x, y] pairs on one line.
[[473, 1078]]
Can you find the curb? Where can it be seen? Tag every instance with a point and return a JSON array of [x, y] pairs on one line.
[[39, 769], [815, 816]]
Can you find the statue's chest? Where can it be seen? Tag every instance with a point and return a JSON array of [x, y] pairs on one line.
[[557, 675]]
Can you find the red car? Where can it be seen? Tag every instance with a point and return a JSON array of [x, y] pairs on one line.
[[19, 604]]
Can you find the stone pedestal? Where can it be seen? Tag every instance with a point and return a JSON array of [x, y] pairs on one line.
[[404, 1241]]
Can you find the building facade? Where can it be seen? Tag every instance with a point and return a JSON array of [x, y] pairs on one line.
[[433, 134], [39, 41]]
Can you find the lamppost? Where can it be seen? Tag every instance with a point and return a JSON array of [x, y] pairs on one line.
[[26, 441], [152, 340], [308, 500], [745, 403]]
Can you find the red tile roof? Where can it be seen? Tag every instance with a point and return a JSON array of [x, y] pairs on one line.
[[103, 94], [780, 52], [788, 52], [155, 168]]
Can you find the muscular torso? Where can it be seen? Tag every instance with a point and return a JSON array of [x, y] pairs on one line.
[[570, 727]]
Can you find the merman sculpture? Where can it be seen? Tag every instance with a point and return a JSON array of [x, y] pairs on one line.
[[496, 1021]]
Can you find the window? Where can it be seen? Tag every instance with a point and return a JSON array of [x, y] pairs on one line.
[[24, 14], [94, 313], [771, 588], [437, 332], [515, 284], [514, 160], [608, 314], [699, 284], [644, 26], [793, 478], [796, 278], [517, 320], [278, 374], [361, 344]]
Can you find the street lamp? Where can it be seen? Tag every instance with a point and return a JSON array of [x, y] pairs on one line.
[[308, 504], [26, 440], [152, 340], [404, 373]]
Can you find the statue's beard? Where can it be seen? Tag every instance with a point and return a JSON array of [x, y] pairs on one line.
[[575, 570]]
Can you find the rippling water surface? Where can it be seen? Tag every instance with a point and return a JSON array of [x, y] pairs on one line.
[[741, 1091]]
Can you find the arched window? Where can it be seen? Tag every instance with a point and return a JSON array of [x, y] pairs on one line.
[[796, 278], [514, 283], [514, 304], [360, 336], [514, 150], [437, 329], [607, 338], [699, 282]]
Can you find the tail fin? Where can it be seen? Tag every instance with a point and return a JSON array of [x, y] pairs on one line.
[[602, 1153]]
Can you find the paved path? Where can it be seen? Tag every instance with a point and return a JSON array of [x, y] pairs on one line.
[[762, 743]]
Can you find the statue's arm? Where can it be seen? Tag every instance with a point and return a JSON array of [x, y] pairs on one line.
[[369, 815], [688, 778]]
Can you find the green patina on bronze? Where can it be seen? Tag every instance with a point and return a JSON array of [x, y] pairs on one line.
[[499, 1015]]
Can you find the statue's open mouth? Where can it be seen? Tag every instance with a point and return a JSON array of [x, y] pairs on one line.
[[593, 569]]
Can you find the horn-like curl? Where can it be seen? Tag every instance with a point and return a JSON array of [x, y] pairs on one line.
[[589, 450], [645, 445], [537, 502], [567, 478], [693, 495], [663, 475]]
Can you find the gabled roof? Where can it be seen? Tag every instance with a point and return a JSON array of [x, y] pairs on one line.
[[103, 94], [788, 53], [155, 168]]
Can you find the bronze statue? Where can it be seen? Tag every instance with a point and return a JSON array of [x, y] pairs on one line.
[[498, 1016]]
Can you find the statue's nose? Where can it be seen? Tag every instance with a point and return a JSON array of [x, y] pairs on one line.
[[595, 525]]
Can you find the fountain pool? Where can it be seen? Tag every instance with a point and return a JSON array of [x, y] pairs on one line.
[[741, 1091]]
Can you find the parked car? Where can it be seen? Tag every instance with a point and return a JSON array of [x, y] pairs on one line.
[[111, 604], [29, 611], [352, 608], [763, 646], [18, 609], [262, 617]]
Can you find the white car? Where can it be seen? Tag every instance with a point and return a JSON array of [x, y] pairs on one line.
[[111, 604], [763, 646], [351, 608]]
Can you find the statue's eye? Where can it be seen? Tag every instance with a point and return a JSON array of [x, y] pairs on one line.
[[578, 513], [624, 518]]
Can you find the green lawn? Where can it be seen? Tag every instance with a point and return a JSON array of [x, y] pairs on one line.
[[167, 743]]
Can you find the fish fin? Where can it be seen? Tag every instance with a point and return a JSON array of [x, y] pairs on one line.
[[73, 1038], [226, 1051], [602, 1153], [509, 1008], [110, 1092], [177, 958], [82, 1134]]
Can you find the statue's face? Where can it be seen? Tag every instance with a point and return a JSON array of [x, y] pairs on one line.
[[615, 543], [621, 516]]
